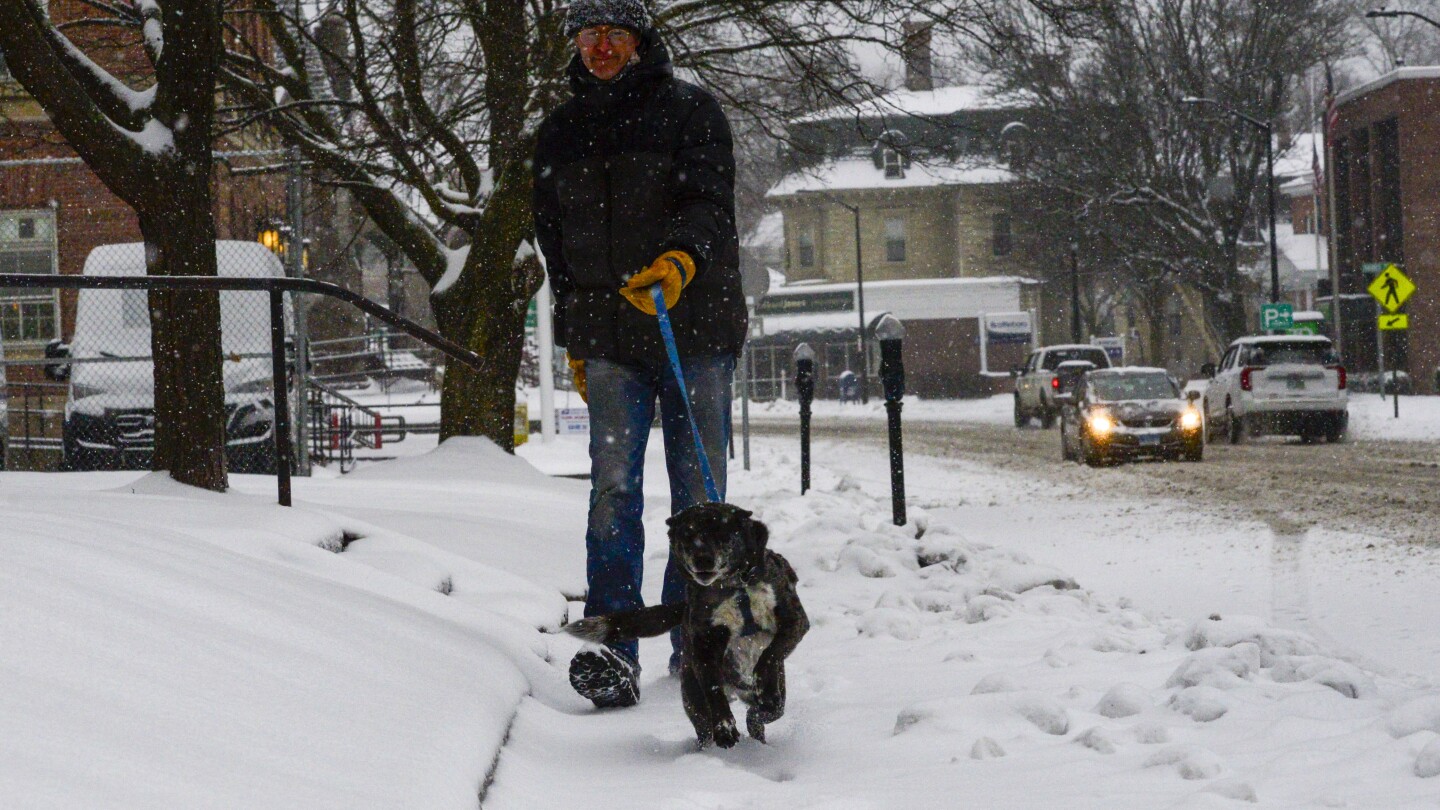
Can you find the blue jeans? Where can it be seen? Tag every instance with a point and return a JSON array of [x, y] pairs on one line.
[[622, 408]]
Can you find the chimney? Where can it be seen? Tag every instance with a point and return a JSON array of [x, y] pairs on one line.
[[915, 50]]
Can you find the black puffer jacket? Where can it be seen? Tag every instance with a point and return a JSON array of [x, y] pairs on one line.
[[624, 171]]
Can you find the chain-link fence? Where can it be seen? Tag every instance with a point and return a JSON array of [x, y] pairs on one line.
[[121, 405], [89, 404]]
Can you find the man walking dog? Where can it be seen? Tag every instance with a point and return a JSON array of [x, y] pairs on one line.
[[634, 186]]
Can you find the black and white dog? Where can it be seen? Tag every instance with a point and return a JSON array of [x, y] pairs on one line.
[[740, 620]]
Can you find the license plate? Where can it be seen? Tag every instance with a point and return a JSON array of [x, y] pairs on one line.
[[1153, 439], [1295, 384]]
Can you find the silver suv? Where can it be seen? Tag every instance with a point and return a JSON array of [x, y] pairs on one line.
[[1036, 383]]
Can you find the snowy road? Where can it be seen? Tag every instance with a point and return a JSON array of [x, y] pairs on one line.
[[1384, 489], [1339, 541]]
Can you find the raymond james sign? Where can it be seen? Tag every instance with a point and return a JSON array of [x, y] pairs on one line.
[[1008, 327], [795, 304]]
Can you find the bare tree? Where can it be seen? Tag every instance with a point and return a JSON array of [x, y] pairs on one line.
[[1171, 186], [444, 97], [151, 146]]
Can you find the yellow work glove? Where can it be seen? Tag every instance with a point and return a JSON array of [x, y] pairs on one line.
[[577, 372], [672, 271]]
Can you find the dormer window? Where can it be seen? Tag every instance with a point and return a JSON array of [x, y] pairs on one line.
[[890, 154], [894, 164]]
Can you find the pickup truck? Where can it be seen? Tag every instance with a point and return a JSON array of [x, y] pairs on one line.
[[1036, 383], [1280, 385]]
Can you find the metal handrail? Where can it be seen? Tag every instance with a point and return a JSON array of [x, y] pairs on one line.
[[284, 452]]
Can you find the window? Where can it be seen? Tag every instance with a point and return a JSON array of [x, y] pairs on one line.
[[805, 246], [4, 68], [27, 245], [894, 164], [1000, 234], [895, 240]]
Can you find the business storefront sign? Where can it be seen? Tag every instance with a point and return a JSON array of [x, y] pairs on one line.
[[805, 304], [1008, 327]]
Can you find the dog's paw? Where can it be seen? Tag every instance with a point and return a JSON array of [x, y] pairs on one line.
[[754, 726], [767, 709], [725, 733]]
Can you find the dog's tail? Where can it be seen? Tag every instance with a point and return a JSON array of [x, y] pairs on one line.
[[629, 624]]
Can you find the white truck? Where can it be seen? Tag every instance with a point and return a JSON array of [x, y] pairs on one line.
[[110, 413], [1037, 382], [1277, 384]]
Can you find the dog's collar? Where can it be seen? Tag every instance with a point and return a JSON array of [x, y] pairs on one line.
[[749, 626]]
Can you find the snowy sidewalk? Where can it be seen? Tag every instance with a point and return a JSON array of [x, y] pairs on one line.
[[948, 670]]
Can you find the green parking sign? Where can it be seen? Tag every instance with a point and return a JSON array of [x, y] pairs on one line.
[[1276, 316]]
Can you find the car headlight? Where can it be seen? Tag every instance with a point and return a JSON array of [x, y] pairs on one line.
[[1190, 419], [1101, 424]]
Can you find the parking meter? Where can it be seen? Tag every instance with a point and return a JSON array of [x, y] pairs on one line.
[[805, 385], [891, 334]]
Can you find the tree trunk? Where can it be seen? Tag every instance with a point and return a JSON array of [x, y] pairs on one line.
[[485, 312], [482, 403], [185, 340]]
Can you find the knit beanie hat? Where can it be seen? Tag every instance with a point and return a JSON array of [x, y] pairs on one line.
[[589, 13]]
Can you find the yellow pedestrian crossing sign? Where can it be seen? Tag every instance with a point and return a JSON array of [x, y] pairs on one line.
[[1394, 322], [1391, 288]]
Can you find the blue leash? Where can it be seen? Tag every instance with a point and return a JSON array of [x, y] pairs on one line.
[[662, 314]]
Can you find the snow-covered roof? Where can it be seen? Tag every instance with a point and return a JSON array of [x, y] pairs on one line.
[[937, 102], [1298, 160], [1115, 370], [768, 232], [1280, 339], [1302, 258], [1399, 74], [1306, 251], [932, 285], [809, 322], [906, 299], [860, 173]]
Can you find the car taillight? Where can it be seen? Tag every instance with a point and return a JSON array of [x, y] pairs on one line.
[[1340, 373], [1245, 378], [1055, 382]]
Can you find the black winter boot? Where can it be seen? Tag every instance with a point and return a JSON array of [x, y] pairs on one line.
[[607, 677]]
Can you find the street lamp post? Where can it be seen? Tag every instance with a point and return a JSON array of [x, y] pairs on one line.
[[1265, 128], [1385, 12], [859, 293], [1075, 336]]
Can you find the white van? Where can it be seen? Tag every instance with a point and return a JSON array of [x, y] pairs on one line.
[[110, 413]]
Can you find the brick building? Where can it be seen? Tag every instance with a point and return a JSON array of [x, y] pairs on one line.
[[1386, 166], [54, 210]]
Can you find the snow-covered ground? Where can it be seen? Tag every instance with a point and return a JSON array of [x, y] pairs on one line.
[[389, 642]]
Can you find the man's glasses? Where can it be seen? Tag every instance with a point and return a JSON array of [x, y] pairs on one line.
[[617, 37]]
